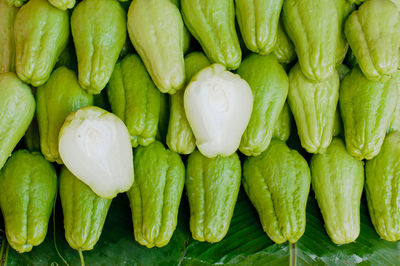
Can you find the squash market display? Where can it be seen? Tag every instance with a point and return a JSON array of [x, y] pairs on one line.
[[185, 102]]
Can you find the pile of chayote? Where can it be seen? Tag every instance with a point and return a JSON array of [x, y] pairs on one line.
[[153, 96]]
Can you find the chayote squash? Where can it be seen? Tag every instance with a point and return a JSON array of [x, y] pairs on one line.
[[373, 32], [342, 70], [212, 187], [313, 26], [32, 137], [99, 31], [366, 108], [283, 49], [269, 84], [344, 9], [28, 187], [16, 3], [17, 110], [395, 120], [283, 125], [7, 47], [258, 22], [39, 42], [212, 23], [313, 105], [135, 99], [383, 188], [156, 193], [180, 136], [55, 100], [63, 4], [338, 181], [278, 182], [157, 33], [84, 212]]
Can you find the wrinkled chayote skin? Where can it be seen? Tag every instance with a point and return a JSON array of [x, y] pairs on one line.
[[314, 29], [212, 23], [84, 212], [366, 108], [16, 3], [269, 84], [383, 188], [258, 22], [99, 31], [283, 49], [63, 4], [17, 110], [277, 183], [212, 187], [32, 137], [39, 42], [373, 32], [56, 99], [180, 137], [28, 187], [283, 125], [157, 32], [7, 47], [313, 105], [156, 193], [344, 8], [338, 181], [135, 99]]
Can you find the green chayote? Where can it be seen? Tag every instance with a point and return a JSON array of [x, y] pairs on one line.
[[277, 183], [39, 42], [16, 3], [155, 194], [344, 8], [338, 181], [180, 137], [313, 26], [212, 187], [284, 49], [17, 110], [212, 23], [157, 33], [373, 32], [135, 99], [32, 137], [283, 125], [342, 70], [383, 188], [258, 22], [7, 47], [28, 187], [313, 105], [366, 108], [269, 84], [99, 32], [63, 4], [84, 212], [55, 100], [395, 120]]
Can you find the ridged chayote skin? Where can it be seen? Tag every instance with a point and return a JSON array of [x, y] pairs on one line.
[[383, 188], [269, 84], [212, 23], [55, 100], [135, 99], [283, 125], [99, 31], [28, 187], [84, 212], [366, 108], [157, 33], [373, 32], [284, 49], [7, 47], [212, 187], [338, 181], [16, 3], [63, 4], [180, 136], [39, 42], [313, 105], [395, 122], [258, 22], [17, 110], [277, 183], [156, 193], [344, 9]]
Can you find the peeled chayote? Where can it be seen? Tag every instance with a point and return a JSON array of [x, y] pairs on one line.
[[28, 187], [135, 99], [277, 183], [7, 47], [366, 108], [338, 181], [41, 33], [99, 31], [269, 84]]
